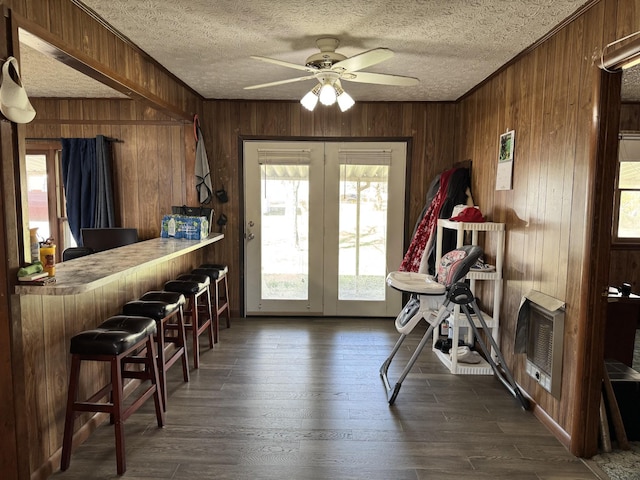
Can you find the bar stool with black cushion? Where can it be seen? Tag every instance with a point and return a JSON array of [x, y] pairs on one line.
[[166, 308], [218, 274], [120, 340], [195, 288], [76, 252], [214, 276]]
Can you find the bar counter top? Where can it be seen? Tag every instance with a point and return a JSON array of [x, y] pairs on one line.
[[92, 271]]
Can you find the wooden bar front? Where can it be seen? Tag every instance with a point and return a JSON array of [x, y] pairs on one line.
[[87, 291]]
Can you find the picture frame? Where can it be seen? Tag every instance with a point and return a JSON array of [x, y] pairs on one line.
[[504, 173], [507, 141]]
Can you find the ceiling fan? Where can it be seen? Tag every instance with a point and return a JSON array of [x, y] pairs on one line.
[[330, 67]]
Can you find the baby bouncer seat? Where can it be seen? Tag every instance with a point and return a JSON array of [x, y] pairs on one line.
[[433, 299]]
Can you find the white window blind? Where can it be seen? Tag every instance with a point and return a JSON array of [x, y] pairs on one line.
[[629, 148], [284, 157], [364, 157]]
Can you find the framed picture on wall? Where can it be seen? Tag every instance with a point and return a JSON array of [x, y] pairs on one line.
[[504, 173]]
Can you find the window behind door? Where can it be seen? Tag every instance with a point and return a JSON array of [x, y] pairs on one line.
[[45, 194], [626, 222]]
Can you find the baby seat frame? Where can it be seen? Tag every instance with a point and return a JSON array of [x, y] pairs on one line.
[[455, 292]]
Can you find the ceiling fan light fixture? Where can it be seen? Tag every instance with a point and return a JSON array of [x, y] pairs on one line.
[[345, 101], [327, 94], [310, 100]]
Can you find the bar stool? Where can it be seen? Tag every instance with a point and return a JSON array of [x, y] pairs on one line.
[[120, 340], [163, 307], [195, 288], [218, 274]]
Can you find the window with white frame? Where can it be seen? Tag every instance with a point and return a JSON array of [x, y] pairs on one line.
[[626, 221]]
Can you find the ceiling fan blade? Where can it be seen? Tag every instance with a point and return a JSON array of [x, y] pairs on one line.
[[280, 82], [363, 60], [284, 64], [381, 79]]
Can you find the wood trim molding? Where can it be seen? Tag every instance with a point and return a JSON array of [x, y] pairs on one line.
[[544, 418], [590, 335], [57, 121]]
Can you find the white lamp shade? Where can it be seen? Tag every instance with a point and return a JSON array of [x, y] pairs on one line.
[[345, 102], [327, 94], [310, 100]]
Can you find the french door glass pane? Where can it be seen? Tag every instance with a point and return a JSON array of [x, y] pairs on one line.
[[363, 232], [285, 232]]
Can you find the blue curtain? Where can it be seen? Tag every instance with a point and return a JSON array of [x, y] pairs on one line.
[[86, 175], [104, 211]]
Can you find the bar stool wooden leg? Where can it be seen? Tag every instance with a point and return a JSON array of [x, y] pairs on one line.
[[197, 325], [118, 399], [157, 397], [193, 303], [222, 302], [162, 371], [215, 325], [182, 343], [208, 310]]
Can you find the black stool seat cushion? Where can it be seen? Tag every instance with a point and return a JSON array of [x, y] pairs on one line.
[[114, 336], [182, 286], [156, 304], [163, 296], [149, 308], [194, 277], [222, 269], [188, 284], [212, 273]]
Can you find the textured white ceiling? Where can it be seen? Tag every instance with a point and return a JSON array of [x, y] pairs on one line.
[[450, 45], [631, 84], [44, 76]]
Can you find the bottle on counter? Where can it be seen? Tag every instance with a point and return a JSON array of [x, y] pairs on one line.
[[35, 244], [48, 256]]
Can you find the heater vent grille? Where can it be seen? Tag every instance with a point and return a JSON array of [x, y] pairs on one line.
[[542, 351], [544, 347]]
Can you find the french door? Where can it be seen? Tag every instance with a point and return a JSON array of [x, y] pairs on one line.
[[324, 226]]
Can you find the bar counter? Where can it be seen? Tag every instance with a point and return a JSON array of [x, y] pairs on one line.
[[92, 271], [87, 291]]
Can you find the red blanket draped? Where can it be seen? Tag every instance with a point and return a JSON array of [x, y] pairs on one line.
[[426, 228]]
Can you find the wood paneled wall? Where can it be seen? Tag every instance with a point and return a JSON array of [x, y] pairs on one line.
[[549, 98], [153, 155], [429, 126]]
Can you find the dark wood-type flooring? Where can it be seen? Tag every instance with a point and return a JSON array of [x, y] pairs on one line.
[[302, 399]]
